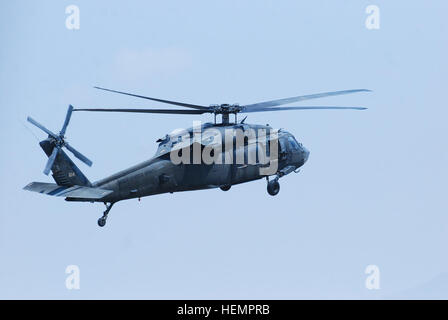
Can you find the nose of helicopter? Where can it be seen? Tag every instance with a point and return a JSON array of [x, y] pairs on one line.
[[305, 154]]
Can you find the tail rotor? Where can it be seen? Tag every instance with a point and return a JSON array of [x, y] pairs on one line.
[[59, 142]]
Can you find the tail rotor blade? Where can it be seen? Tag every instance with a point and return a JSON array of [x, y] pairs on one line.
[[78, 155], [37, 124], [51, 160], [60, 142], [67, 120]]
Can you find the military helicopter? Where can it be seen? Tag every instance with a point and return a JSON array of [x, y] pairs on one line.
[[160, 174]]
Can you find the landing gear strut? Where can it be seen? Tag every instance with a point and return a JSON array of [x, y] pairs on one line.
[[273, 186], [102, 220]]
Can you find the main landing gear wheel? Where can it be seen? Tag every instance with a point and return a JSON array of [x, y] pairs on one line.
[[225, 187], [102, 220], [273, 187]]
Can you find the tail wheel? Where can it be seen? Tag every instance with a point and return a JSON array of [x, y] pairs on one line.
[[273, 187], [102, 220]]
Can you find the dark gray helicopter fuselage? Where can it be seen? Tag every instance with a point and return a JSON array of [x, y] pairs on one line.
[[160, 175], [251, 156]]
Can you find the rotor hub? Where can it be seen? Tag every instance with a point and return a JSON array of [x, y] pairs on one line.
[[226, 108]]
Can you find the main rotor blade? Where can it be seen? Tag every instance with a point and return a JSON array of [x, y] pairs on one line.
[[194, 106], [78, 154], [67, 120], [37, 124], [51, 160], [167, 111], [262, 109], [279, 102]]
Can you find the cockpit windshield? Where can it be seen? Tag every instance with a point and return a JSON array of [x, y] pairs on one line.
[[294, 144]]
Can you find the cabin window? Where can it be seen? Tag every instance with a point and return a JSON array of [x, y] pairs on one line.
[[268, 146]]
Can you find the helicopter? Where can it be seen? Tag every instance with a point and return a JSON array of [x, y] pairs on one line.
[[262, 153]]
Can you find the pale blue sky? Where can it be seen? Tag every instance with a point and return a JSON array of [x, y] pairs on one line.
[[372, 192]]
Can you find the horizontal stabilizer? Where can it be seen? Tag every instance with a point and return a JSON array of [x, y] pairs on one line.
[[81, 192]]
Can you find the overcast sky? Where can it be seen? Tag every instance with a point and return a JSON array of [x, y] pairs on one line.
[[373, 191]]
